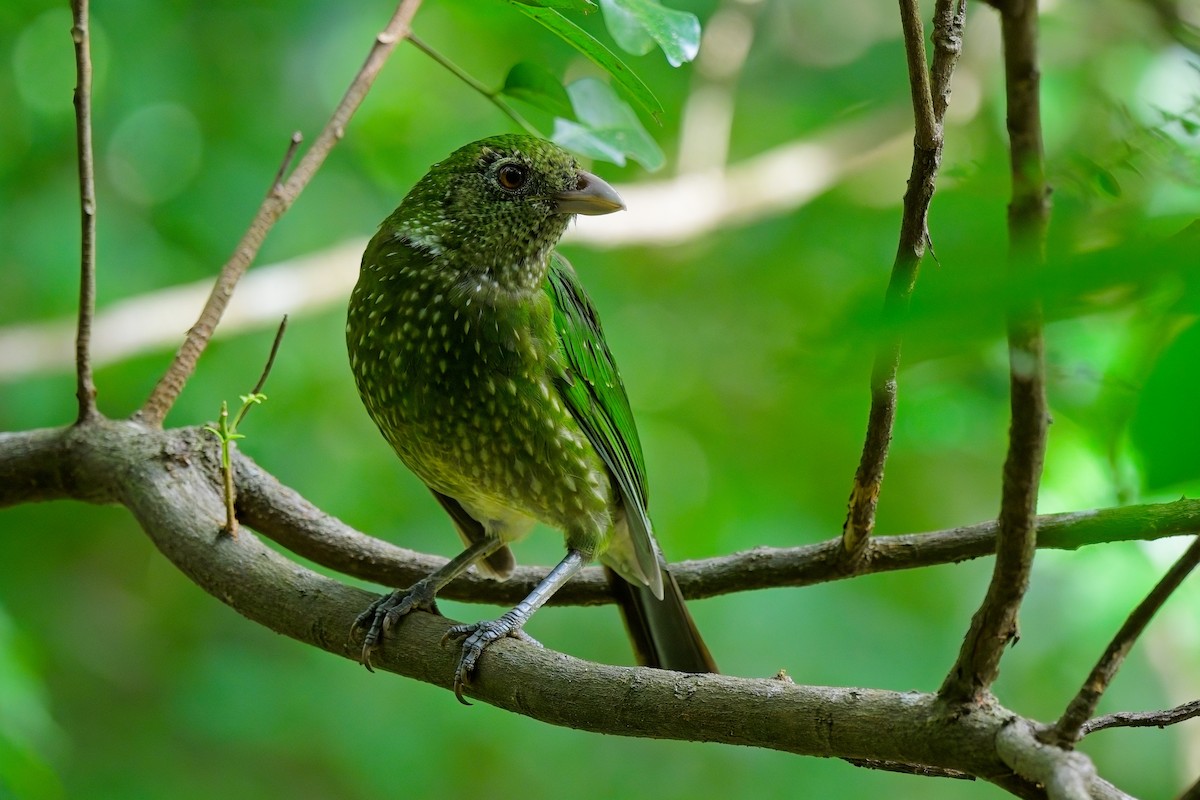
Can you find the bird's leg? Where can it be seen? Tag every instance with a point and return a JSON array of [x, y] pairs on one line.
[[387, 610], [479, 635]]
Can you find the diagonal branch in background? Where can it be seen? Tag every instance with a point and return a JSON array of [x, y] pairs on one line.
[[995, 623], [85, 389], [1069, 728], [278, 200], [929, 109], [670, 211]]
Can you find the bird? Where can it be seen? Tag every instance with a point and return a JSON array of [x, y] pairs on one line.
[[482, 360]]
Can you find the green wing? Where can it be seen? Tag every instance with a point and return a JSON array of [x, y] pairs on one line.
[[592, 389]]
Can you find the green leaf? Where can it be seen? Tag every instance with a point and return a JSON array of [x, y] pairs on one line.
[[536, 85], [600, 55], [608, 128], [1108, 182], [582, 6], [637, 25]]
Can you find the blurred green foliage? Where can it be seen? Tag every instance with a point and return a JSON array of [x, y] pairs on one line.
[[746, 351]]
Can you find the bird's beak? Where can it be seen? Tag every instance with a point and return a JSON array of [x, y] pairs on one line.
[[591, 196]]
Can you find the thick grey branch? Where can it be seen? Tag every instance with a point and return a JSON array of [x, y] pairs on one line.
[[34, 467], [1067, 775], [170, 482]]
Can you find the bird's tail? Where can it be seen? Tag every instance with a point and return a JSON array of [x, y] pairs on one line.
[[663, 633]]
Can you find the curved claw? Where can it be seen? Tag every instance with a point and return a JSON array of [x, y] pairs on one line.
[[477, 637], [387, 610]]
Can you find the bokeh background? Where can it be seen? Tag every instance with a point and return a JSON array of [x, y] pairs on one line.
[[745, 338]]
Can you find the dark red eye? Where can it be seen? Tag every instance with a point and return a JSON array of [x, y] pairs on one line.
[[512, 176]]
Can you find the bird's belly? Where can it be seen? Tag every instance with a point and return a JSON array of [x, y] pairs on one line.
[[497, 439]]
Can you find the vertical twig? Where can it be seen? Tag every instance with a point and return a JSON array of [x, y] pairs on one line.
[[1069, 727], [85, 387], [995, 623], [227, 432], [262, 378], [929, 109], [278, 200]]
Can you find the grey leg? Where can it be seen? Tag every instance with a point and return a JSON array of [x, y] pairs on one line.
[[382, 615], [479, 635]]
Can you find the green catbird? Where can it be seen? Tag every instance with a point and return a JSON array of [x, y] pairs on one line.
[[481, 358]]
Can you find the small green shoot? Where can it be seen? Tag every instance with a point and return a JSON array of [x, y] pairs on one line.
[[226, 432]]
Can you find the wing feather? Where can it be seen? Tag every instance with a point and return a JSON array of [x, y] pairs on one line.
[[592, 389]]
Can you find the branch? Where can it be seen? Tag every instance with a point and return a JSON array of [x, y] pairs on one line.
[[31, 471], [278, 200], [282, 515], [995, 623], [1065, 774], [668, 211], [85, 386], [169, 480], [948, 23], [927, 156], [1069, 727], [1141, 719]]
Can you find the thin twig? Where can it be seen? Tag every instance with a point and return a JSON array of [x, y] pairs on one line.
[[85, 386], [1142, 719], [273, 207], [286, 164], [227, 433], [927, 156], [1070, 726], [905, 768], [995, 623], [918, 74], [262, 379], [492, 97], [948, 23], [282, 515]]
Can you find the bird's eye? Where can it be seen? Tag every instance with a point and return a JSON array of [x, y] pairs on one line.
[[512, 176]]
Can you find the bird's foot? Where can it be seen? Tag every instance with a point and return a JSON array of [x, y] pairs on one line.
[[383, 615], [477, 637]]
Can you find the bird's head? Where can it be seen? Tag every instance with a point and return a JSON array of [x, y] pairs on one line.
[[499, 205]]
